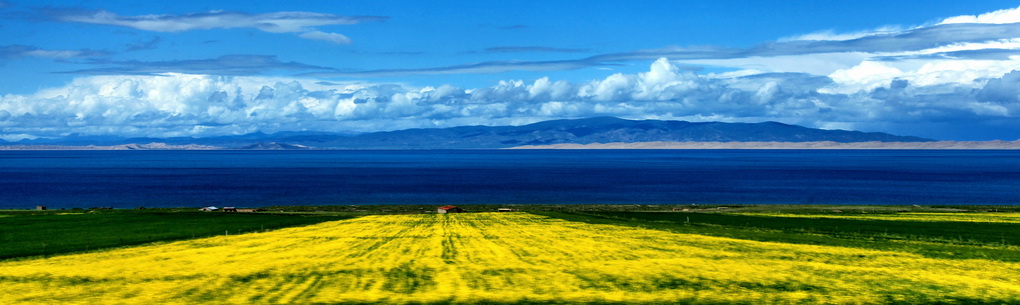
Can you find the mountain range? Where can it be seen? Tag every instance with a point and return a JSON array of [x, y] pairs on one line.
[[573, 131]]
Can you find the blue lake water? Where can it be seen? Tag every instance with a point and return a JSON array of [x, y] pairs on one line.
[[127, 179]]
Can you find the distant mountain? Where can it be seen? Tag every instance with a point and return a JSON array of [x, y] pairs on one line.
[[594, 130], [579, 131]]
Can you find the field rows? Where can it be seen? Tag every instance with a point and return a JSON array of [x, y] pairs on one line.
[[497, 257]]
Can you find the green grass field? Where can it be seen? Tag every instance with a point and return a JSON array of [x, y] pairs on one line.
[[35, 233]]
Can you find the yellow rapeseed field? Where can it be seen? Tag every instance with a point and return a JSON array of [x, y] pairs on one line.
[[497, 257], [953, 217]]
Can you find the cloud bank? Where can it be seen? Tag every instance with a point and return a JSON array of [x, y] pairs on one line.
[[205, 105]]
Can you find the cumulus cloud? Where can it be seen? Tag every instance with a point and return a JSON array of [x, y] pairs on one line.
[[205, 105], [276, 22]]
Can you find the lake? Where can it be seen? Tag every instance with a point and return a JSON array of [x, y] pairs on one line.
[[128, 179]]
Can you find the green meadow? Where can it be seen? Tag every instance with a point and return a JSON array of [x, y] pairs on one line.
[[44, 233]]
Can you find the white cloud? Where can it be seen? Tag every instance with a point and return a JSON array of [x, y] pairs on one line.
[[1009, 43], [276, 22], [543, 88], [869, 75], [830, 35], [15, 51], [866, 76], [1011, 15], [53, 53], [330, 37]]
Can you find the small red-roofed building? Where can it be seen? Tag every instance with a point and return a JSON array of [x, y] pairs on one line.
[[449, 209]]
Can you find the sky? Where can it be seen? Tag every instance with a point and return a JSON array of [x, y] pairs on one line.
[[947, 70]]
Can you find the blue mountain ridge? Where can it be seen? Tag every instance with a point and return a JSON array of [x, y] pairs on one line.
[[579, 131]]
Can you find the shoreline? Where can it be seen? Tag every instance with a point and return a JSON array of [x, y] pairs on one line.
[[823, 145], [817, 145]]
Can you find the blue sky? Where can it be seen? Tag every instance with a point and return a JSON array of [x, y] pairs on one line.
[[938, 69]]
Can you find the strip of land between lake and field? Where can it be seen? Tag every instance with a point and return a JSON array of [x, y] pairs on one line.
[[949, 145], [936, 145]]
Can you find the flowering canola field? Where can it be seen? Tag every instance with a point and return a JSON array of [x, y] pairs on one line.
[[497, 257]]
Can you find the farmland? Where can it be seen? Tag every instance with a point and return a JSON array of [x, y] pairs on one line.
[[557, 257]]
